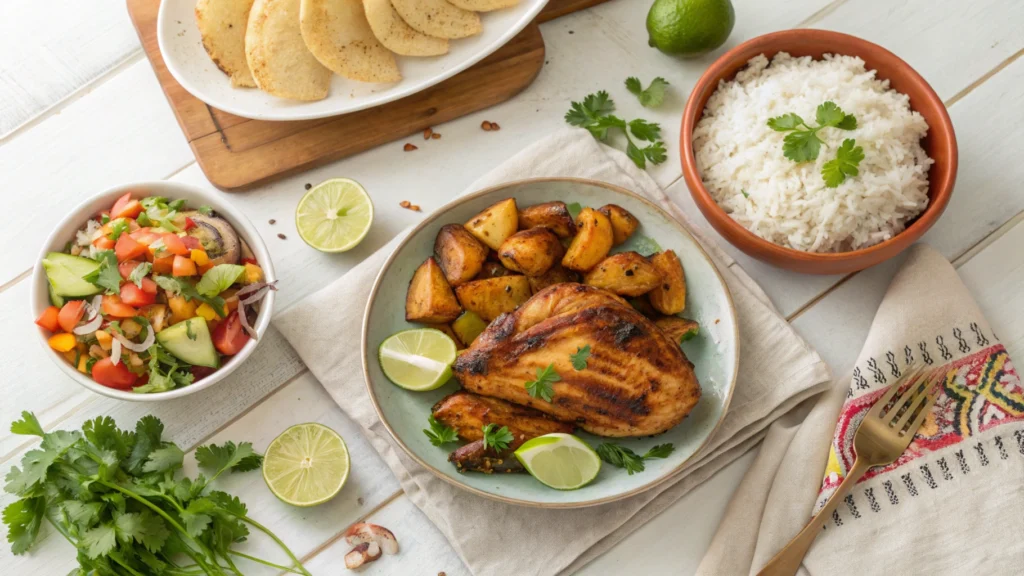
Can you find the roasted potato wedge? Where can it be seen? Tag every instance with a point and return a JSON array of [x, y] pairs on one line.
[[676, 328], [592, 242], [670, 297], [430, 298], [493, 297], [468, 326], [459, 253], [492, 270], [531, 252], [495, 224], [623, 223], [555, 275], [551, 215], [447, 329], [625, 274]]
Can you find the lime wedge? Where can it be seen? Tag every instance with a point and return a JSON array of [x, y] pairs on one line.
[[417, 360], [306, 465], [334, 215], [560, 461]]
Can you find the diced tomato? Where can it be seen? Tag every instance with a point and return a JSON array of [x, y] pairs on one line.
[[126, 268], [250, 261], [125, 207], [163, 265], [192, 243], [132, 295], [70, 314], [189, 224], [228, 336], [112, 375], [204, 268], [103, 243], [49, 319], [145, 236], [200, 372], [183, 266], [149, 286], [113, 306], [127, 248], [174, 245]]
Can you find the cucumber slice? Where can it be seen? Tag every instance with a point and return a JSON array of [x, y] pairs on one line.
[[66, 275], [55, 299], [196, 349]]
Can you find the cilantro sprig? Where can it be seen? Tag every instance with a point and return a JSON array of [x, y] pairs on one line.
[[579, 359], [541, 387], [848, 157], [119, 498], [106, 276], [439, 433], [595, 114], [802, 143], [650, 97], [495, 438], [623, 457]]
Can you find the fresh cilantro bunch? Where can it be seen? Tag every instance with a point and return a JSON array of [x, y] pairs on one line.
[[115, 495], [623, 457], [803, 144], [542, 386], [595, 114]]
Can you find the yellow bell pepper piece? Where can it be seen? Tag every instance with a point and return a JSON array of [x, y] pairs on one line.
[[62, 342], [82, 362], [199, 256], [207, 312], [253, 274]]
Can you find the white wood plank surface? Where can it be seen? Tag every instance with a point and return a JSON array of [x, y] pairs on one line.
[[118, 128], [51, 48]]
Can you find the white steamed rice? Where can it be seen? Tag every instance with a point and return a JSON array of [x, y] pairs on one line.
[[787, 203]]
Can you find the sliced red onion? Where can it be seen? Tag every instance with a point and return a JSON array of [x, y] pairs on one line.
[[90, 326], [93, 307], [244, 320], [254, 287], [141, 347], [115, 350]]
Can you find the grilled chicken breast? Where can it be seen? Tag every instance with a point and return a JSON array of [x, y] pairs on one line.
[[637, 381], [469, 413]]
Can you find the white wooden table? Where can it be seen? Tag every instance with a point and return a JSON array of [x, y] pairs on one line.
[[80, 111]]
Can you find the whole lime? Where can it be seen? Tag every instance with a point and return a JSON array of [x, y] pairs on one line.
[[689, 27]]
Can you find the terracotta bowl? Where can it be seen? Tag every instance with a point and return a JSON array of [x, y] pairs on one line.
[[940, 145]]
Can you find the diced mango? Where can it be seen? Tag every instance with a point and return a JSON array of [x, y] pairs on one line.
[[207, 312], [83, 361], [200, 257], [104, 339], [62, 342], [253, 274], [181, 309]]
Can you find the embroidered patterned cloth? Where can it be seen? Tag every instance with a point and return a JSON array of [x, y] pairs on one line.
[[953, 503]]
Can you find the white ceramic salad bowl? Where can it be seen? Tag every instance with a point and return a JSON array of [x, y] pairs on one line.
[[65, 232]]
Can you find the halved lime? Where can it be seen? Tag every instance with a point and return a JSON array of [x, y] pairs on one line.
[[306, 465], [561, 461], [419, 359], [334, 215]]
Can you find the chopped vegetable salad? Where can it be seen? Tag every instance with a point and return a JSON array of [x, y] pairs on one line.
[[152, 295]]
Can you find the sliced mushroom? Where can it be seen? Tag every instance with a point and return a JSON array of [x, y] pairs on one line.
[[362, 554], [362, 532], [218, 238]]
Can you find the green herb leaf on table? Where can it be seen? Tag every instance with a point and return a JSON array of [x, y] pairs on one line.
[[541, 387], [848, 157], [167, 457], [579, 359], [440, 434], [27, 426], [594, 114], [23, 519], [106, 276], [652, 96], [623, 457], [497, 439], [215, 459], [139, 272]]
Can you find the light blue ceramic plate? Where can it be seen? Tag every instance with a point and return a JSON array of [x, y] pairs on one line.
[[714, 353]]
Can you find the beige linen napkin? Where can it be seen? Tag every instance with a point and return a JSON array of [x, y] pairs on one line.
[[777, 371], [952, 504]]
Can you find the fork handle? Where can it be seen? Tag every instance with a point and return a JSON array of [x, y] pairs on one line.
[[788, 560]]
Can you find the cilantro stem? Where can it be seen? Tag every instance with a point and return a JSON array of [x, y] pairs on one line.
[[264, 562], [117, 558], [274, 537], [231, 564]]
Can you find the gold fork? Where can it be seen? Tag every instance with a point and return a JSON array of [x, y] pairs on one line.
[[881, 438]]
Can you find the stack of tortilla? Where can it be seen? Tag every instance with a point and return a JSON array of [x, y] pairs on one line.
[[289, 48]]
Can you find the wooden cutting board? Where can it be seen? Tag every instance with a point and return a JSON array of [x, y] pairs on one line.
[[237, 153]]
